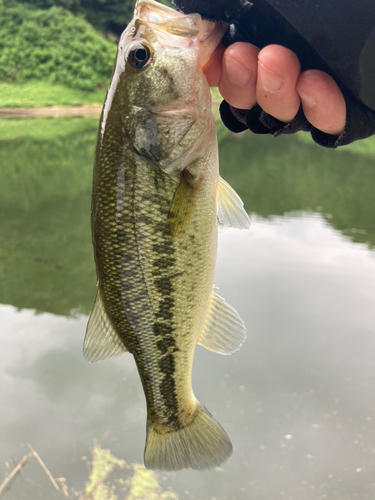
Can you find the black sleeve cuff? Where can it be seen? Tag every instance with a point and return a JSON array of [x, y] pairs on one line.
[[219, 11], [360, 123]]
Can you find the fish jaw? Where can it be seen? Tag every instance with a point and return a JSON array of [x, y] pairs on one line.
[[167, 27], [208, 34]]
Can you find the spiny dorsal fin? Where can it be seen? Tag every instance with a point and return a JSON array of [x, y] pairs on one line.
[[224, 331], [230, 211], [183, 204], [101, 341]]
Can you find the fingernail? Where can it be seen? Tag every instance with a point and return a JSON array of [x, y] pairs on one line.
[[307, 99], [237, 74], [270, 81]]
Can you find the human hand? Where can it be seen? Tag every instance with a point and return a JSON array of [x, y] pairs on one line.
[[272, 78]]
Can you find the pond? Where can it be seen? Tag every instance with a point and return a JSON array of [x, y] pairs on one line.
[[297, 400]]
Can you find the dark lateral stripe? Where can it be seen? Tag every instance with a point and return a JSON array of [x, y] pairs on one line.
[[163, 272]]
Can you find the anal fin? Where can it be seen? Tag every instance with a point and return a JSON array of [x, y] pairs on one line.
[[224, 331], [101, 340]]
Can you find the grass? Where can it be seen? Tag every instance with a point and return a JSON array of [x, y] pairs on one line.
[[46, 128], [39, 94]]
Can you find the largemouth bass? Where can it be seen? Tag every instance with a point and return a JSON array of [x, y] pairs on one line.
[[156, 199]]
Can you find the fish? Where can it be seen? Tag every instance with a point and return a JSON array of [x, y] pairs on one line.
[[157, 199]]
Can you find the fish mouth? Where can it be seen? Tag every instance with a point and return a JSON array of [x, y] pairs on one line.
[[154, 12], [170, 25]]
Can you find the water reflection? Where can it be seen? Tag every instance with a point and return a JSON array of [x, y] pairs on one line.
[[297, 400], [45, 182], [277, 177], [45, 244]]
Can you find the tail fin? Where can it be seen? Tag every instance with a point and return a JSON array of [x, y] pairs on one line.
[[202, 444]]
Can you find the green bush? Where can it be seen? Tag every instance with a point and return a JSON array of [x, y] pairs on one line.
[[104, 15], [52, 45]]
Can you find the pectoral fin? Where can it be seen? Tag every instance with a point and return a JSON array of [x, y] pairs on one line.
[[230, 211], [101, 341], [183, 204], [224, 331]]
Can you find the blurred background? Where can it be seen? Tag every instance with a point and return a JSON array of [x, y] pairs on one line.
[[297, 400]]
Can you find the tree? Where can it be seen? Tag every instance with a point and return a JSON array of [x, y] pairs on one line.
[[104, 15]]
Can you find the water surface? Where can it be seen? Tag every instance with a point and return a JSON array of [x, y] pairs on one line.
[[297, 400]]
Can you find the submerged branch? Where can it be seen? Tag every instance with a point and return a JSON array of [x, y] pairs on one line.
[[63, 486], [13, 474], [44, 467]]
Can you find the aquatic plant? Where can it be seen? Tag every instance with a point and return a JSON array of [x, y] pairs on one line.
[[140, 484]]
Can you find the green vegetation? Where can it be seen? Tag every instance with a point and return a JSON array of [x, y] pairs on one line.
[[46, 256], [102, 465], [52, 130], [134, 481], [364, 147], [283, 175], [104, 15], [143, 484], [38, 94], [53, 46], [51, 56]]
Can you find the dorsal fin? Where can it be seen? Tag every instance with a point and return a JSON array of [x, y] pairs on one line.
[[101, 340], [224, 331], [230, 211]]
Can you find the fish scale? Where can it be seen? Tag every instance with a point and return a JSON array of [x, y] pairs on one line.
[[140, 251], [156, 198]]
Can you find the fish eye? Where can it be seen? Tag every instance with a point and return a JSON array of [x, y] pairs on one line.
[[140, 55]]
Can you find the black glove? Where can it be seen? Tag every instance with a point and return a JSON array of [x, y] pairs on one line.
[[265, 22]]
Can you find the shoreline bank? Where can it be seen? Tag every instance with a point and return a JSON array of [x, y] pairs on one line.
[[54, 111]]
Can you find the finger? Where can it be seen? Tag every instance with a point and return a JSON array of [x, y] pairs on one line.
[[212, 69], [278, 71], [238, 77], [322, 101]]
